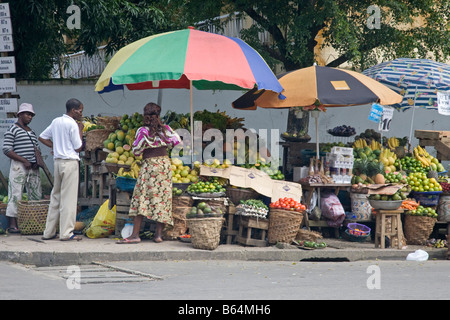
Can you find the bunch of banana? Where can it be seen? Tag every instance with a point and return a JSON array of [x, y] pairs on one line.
[[393, 142], [87, 125], [360, 143], [374, 145], [423, 156], [133, 172]]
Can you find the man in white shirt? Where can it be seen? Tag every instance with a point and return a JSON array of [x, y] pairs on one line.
[[64, 137]]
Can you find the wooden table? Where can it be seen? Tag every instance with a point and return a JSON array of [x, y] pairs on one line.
[[316, 187]]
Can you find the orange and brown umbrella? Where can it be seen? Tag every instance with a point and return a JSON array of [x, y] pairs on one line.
[[320, 86]]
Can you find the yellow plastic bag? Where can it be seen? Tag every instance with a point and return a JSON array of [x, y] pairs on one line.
[[104, 222]]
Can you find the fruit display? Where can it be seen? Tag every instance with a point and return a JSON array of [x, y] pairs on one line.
[[252, 208], [423, 211], [368, 172], [387, 157], [182, 173], [362, 143], [260, 164], [395, 177], [176, 191], [326, 147], [132, 172], [203, 210], [342, 131], [410, 164], [288, 204], [213, 186], [368, 135], [427, 160], [388, 197], [445, 187], [419, 182], [296, 136]]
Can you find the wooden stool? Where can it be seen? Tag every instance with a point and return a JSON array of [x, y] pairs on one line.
[[381, 227], [252, 227]]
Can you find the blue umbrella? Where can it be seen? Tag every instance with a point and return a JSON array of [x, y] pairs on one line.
[[417, 80]]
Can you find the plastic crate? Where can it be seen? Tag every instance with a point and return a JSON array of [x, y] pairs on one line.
[[430, 198], [125, 184]]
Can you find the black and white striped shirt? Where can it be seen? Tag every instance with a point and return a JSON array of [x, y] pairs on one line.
[[18, 140]]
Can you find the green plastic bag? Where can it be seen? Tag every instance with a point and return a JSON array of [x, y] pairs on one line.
[[104, 222]]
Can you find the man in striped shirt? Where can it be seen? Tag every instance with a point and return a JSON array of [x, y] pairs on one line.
[[18, 145]]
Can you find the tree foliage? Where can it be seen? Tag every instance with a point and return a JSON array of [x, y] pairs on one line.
[[408, 28]]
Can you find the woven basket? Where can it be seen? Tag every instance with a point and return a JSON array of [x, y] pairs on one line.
[[182, 201], [110, 123], [32, 216], [95, 138], [236, 194], [179, 223], [418, 229], [283, 225], [205, 232]]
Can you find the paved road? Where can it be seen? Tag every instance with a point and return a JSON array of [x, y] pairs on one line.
[[230, 280]]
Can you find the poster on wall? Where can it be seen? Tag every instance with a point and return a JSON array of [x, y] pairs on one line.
[[443, 100]]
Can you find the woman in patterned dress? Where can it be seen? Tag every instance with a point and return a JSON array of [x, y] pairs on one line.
[[152, 195]]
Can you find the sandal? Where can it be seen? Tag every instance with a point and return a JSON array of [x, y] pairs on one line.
[[13, 230], [72, 237], [128, 241]]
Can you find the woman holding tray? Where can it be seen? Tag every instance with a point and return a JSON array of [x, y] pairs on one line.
[[152, 195]]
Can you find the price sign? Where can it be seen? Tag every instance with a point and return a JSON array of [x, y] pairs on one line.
[[386, 118], [375, 113], [443, 100]]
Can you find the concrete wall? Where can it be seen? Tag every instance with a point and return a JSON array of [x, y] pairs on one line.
[[49, 100]]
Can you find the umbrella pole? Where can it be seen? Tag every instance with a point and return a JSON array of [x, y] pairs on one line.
[[160, 93], [192, 124], [317, 136], [412, 120]]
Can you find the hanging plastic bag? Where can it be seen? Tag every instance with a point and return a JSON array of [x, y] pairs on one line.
[[104, 222], [332, 209]]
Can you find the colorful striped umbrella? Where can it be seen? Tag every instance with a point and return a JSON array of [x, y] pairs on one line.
[[185, 59], [417, 80]]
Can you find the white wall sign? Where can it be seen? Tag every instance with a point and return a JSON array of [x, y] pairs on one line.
[[7, 65], [8, 85], [9, 104], [5, 26], [443, 100], [6, 123], [4, 10]]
